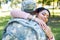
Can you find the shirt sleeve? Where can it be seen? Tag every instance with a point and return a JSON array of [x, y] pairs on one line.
[[19, 14]]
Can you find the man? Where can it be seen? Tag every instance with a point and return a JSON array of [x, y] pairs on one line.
[[16, 33]]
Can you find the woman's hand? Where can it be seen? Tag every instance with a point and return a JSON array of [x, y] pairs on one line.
[[52, 38], [41, 23]]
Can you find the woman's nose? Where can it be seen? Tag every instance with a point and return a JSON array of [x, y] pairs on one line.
[[45, 17]]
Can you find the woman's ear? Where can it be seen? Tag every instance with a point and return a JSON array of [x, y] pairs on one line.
[[37, 14]]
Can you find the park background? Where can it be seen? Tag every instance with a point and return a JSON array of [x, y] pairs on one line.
[[53, 5]]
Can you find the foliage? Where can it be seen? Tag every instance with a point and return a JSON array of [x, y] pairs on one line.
[[3, 23]]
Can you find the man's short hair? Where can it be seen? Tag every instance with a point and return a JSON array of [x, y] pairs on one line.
[[28, 5]]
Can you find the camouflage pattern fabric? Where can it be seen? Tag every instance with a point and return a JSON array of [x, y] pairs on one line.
[[22, 29], [28, 5]]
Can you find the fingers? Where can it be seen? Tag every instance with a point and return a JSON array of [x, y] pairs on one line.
[[43, 25]]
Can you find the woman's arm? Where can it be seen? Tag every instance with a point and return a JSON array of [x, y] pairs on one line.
[[49, 33], [46, 29], [20, 14]]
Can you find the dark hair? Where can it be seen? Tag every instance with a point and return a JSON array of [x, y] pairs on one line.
[[41, 9]]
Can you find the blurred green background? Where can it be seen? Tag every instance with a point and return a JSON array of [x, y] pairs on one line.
[[53, 5]]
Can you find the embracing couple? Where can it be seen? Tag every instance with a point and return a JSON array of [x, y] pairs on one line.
[[38, 15]]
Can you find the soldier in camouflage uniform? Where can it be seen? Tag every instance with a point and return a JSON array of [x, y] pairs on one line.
[[24, 29]]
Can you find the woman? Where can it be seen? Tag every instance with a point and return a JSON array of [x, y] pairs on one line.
[[44, 14], [42, 18]]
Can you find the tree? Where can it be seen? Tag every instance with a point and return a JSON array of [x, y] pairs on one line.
[[44, 2]]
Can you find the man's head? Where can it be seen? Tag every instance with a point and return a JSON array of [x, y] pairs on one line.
[[28, 5], [42, 13]]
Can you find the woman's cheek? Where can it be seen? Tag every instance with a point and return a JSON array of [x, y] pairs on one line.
[[46, 20]]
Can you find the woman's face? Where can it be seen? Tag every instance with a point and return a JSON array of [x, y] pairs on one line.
[[44, 15]]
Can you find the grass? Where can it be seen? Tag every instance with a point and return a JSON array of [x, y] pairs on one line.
[[54, 23], [3, 22]]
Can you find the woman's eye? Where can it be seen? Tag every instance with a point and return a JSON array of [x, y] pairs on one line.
[[43, 14]]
